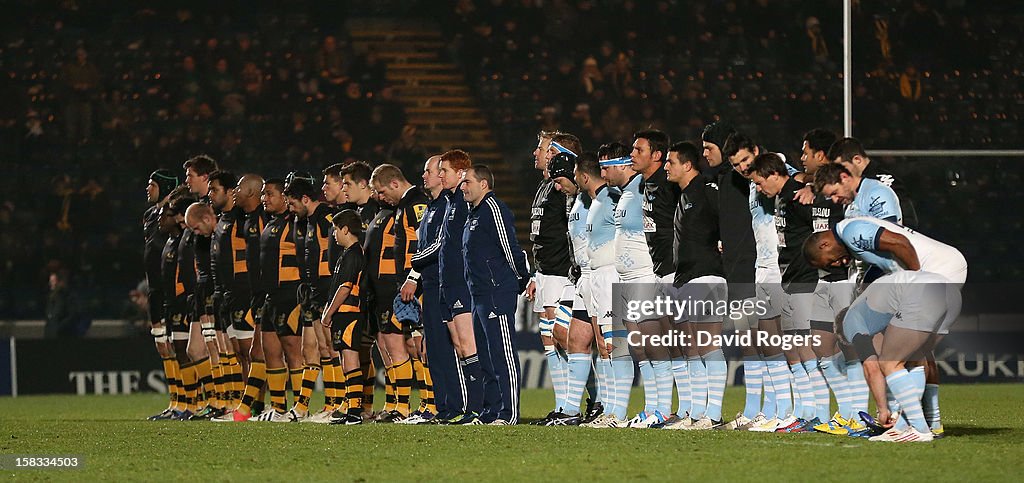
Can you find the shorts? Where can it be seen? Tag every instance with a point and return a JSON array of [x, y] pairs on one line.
[[455, 301], [642, 288], [796, 311], [236, 313], [599, 301], [704, 295], [830, 298], [665, 284], [549, 291], [282, 313], [580, 295], [384, 316], [922, 301], [178, 315], [347, 330], [772, 297]]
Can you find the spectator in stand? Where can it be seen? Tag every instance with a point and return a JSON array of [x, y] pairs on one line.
[[82, 81]]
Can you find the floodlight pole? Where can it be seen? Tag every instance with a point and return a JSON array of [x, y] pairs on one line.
[[847, 68]]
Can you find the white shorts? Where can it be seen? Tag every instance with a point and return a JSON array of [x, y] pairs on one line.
[[796, 311], [921, 301], [704, 295], [549, 291], [637, 287], [772, 297], [582, 294], [602, 281], [665, 284], [830, 298], [240, 334]]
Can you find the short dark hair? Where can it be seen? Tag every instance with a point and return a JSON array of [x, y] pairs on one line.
[[300, 187], [612, 150], [688, 153], [201, 164], [570, 142], [179, 201], [659, 141], [348, 219], [483, 173], [735, 142], [334, 170], [767, 164], [828, 174], [227, 179], [358, 171], [587, 163], [275, 182], [820, 139], [845, 149]]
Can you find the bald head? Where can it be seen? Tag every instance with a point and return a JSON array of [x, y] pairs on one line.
[[199, 217], [247, 193]]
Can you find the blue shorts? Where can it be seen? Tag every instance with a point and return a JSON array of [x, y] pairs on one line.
[[455, 301]]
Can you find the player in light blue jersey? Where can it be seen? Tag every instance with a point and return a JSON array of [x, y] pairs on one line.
[[911, 310], [861, 196], [610, 331], [764, 368], [894, 248], [637, 279], [574, 314]]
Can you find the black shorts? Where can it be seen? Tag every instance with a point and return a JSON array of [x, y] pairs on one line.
[[282, 314], [235, 312], [156, 306], [178, 314], [347, 330], [383, 313]]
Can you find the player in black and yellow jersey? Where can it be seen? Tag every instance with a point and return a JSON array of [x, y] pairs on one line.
[[160, 184], [246, 196], [312, 229], [231, 284], [355, 183], [207, 362], [379, 287], [343, 316], [410, 204], [227, 257], [178, 272], [280, 325]]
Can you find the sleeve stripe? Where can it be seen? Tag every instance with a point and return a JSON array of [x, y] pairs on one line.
[[499, 223]]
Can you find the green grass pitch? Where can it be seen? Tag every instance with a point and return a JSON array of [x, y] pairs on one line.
[[984, 426]]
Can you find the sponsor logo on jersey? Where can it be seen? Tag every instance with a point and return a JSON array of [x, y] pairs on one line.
[[876, 207], [419, 210]]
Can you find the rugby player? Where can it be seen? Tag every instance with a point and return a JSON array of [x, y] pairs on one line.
[[178, 271], [795, 221], [892, 248], [197, 178], [610, 331], [649, 154], [280, 324], [581, 333], [850, 153], [161, 183], [698, 277], [497, 272], [548, 225], [768, 364], [636, 277], [312, 229], [231, 284], [246, 196], [410, 204]]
